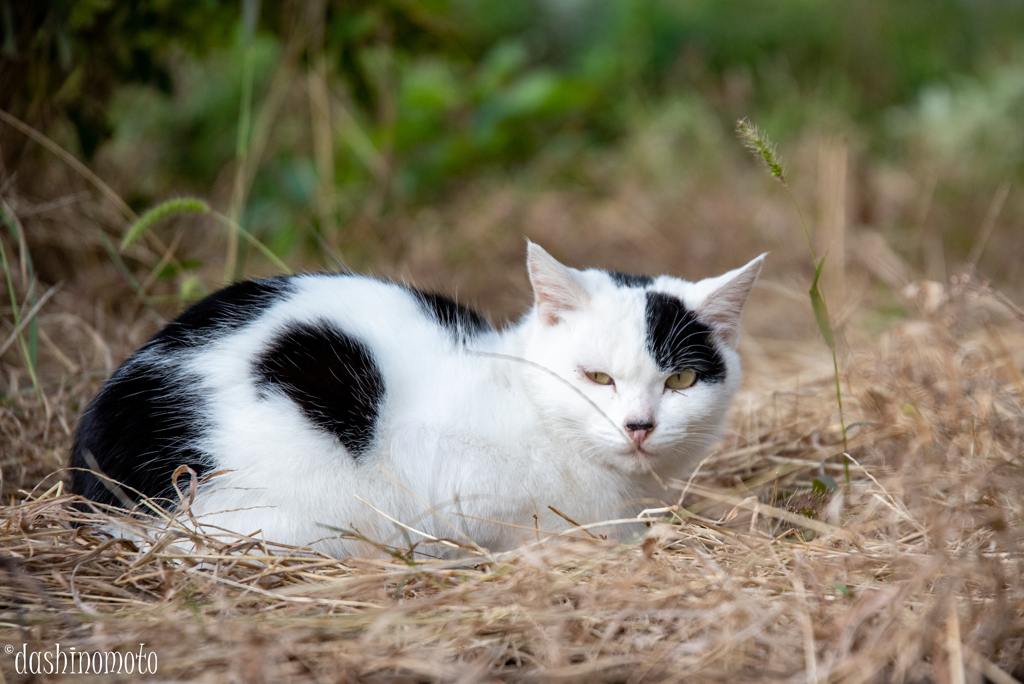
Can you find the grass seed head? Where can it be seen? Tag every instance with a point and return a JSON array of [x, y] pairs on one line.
[[164, 210], [755, 140]]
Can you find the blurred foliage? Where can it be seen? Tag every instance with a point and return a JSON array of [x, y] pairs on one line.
[[970, 125], [67, 57], [422, 93]]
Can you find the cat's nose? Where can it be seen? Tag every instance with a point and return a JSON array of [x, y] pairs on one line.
[[639, 431]]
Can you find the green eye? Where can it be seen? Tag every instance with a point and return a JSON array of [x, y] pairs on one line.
[[681, 380], [599, 377]]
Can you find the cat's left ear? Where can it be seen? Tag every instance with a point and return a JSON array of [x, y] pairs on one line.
[[556, 291], [722, 307]]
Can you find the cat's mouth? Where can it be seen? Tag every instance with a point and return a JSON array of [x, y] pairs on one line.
[[639, 454]]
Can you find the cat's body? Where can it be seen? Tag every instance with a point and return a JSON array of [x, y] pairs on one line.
[[316, 397]]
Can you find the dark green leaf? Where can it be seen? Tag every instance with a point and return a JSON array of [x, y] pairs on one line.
[[823, 484]]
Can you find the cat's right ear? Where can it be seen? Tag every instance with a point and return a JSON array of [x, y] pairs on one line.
[[724, 304], [555, 291]]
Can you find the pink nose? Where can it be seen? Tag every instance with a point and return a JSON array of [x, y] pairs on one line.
[[639, 431]]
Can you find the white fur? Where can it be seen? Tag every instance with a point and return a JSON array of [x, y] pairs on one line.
[[463, 438]]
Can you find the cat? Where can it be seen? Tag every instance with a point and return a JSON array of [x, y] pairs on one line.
[[314, 403]]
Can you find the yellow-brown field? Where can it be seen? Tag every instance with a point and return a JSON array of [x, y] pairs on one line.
[[910, 572]]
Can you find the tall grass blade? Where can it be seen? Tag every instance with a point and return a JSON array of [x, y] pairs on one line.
[[17, 321], [33, 322], [30, 316], [28, 279], [250, 18], [820, 308], [33, 329], [764, 149]]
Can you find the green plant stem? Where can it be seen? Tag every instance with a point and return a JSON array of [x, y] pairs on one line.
[[121, 267], [238, 194], [842, 423], [17, 322], [832, 347], [28, 279], [803, 222], [252, 240]]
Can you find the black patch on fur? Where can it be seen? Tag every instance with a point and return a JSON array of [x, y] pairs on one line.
[[147, 419], [627, 280], [221, 312], [139, 429], [677, 340], [462, 322], [331, 376]]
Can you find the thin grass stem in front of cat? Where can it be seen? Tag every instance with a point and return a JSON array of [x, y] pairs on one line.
[[131, 507], [428, 537], [585, 527], [427, 506]]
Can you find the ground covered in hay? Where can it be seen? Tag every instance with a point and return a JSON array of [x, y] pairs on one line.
[[911, 572]]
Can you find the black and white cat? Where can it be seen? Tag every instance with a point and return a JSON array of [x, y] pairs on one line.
[[312, 397]]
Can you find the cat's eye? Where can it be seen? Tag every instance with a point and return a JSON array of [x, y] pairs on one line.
[[681, 380], [599, 377]]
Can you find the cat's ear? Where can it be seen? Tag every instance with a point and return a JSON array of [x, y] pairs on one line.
[[722, 306], [556, 291]]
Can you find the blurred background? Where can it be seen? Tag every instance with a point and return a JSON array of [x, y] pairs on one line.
[[423, 139]]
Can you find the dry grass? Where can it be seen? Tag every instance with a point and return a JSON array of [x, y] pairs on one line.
[[912, 573]]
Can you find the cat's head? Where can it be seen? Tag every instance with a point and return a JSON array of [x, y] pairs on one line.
[[646, 366]]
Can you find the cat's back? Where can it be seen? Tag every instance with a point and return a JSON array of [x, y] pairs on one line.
[[262, 367]]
